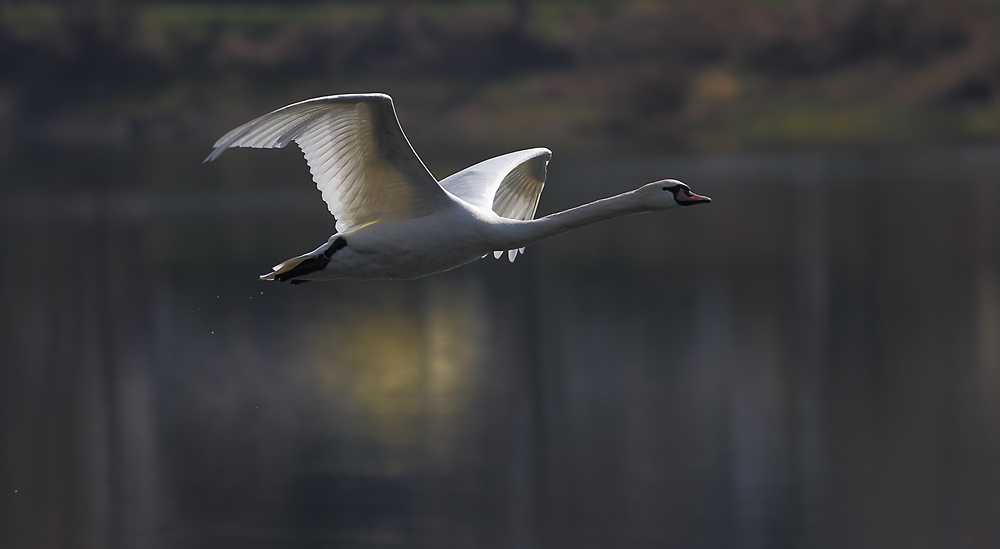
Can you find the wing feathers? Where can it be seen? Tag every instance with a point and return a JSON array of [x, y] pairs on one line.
[[357, 153], [510, 185], [519, 192], [503, 183]]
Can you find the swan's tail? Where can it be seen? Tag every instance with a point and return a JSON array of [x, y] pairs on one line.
[[296, 267]]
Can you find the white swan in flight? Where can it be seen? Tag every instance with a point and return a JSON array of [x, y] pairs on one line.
[[394, 220]]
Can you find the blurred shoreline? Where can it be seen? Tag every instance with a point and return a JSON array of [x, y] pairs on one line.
[[582, 78]]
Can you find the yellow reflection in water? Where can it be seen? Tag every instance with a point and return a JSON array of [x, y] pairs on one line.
[[403, 373]]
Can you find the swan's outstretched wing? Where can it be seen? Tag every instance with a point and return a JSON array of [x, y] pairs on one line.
[[510, 185], [357, 153]]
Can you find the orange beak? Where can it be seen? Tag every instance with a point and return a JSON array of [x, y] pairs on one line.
[[685, 200]]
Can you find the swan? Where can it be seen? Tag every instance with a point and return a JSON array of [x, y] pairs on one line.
[[393, 218]]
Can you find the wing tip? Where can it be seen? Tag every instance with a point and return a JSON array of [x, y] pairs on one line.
[[214, 154], [226, 141]]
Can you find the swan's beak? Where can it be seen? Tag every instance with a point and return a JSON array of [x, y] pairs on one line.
[[685, 200]]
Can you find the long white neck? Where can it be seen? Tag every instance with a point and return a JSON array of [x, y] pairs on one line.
[[528, 232]]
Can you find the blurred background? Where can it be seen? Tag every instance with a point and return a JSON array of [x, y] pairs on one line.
[[811, 361]]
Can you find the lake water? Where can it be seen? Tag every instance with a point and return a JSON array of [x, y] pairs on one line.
[[813, 360]]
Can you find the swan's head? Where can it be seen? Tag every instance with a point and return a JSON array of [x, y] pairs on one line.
[[669, 193]]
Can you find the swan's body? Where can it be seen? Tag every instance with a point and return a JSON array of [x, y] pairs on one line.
[[394, 220]]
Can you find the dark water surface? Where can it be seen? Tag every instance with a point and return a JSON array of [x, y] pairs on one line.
[[811, 361]]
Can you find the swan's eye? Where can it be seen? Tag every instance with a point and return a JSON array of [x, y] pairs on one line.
[[665, 188]]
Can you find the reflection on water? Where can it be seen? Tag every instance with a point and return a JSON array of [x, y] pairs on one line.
[[812, 361], [397, 369]]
